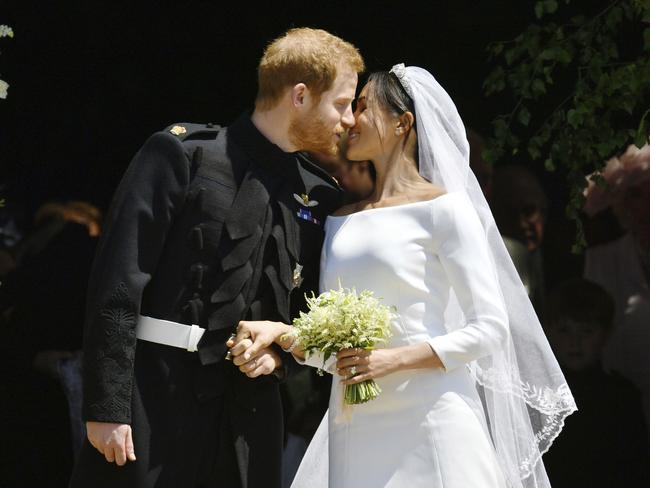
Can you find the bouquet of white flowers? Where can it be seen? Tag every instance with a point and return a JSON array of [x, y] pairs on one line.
[[341, 319]]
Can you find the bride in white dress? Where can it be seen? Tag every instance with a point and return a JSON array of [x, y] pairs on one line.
[[471, 393]]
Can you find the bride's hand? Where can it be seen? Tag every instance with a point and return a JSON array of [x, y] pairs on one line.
[[357, 365], [265, 363], [262, 333]]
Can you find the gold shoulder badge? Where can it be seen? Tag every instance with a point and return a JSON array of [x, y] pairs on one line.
[[177, 130], [304, 200]]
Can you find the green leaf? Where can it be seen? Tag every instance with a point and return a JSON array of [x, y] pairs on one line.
[[523, 116], [489, 156], [577, 248], [534, 147], [547, 75], [547, 55], [551, 6], [534, 152], [574, 118], [628, 105], [645, 18], [642, 133], [549, 165], [604, 149], [539, 9], [614, 17], [510, 56], [563, 56], [538, 87], [646, 39], [500, 128]]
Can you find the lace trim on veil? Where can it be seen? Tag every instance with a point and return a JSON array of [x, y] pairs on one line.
[[554, 405]]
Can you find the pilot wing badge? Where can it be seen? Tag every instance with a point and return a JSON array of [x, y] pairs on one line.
[[303, 199], [306, 204]]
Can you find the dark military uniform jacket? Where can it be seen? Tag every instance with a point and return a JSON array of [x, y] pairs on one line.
[[209, 226]]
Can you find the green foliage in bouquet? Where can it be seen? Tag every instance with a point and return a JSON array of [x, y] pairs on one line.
[[342, 319]]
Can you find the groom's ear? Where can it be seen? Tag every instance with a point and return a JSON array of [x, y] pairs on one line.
[[299, 94], [404, 123]]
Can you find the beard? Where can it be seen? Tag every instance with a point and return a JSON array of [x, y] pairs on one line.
[[310, 133]]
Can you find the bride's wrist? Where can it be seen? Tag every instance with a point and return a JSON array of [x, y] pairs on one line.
[[398, 359], [284, 335]]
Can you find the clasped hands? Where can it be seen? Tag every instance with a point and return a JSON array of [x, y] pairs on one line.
[[250, 348], [251, 351]]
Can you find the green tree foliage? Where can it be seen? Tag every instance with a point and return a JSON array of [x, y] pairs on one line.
[[580, 90]]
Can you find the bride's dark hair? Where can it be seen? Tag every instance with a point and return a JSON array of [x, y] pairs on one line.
[[388, 93]]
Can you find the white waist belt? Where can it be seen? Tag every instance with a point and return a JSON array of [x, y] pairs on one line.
[[169, 333]]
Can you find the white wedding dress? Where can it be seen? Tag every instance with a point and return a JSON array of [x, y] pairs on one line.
[[427, 428]]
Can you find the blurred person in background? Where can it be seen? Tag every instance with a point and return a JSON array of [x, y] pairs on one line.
[[43, 300], [622, 266], [483, 170], [604, 443], [519, 205]]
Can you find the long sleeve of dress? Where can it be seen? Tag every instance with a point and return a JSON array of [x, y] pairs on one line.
[[151, 192], [316, 360], [461, 246]]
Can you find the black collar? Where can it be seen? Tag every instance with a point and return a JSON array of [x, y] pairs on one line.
[[262, 151]]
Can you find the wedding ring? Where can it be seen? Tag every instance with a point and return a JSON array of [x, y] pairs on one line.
[[353, 371]]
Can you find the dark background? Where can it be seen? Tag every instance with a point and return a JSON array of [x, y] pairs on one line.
[[91, 80]]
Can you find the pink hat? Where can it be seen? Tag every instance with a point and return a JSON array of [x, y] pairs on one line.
[[630, 169]]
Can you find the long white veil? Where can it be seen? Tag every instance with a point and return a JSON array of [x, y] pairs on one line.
[[524, 393]]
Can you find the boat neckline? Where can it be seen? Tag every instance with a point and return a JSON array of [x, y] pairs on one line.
[[372, 209]]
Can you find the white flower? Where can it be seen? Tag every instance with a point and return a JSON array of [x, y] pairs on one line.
[[6, 31], [3, 88], [339, 319]]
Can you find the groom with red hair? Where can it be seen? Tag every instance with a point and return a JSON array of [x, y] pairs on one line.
[[208, 227]]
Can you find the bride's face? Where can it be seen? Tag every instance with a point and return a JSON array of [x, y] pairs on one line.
[[373, 133]]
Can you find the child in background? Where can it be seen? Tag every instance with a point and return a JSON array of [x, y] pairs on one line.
[[605, 441]]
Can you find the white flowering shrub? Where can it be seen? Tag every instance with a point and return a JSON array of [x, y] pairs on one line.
[[5, 31]]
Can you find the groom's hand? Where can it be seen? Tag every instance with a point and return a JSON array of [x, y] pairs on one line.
[[262, 334], [114, 441], [264, 363]]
